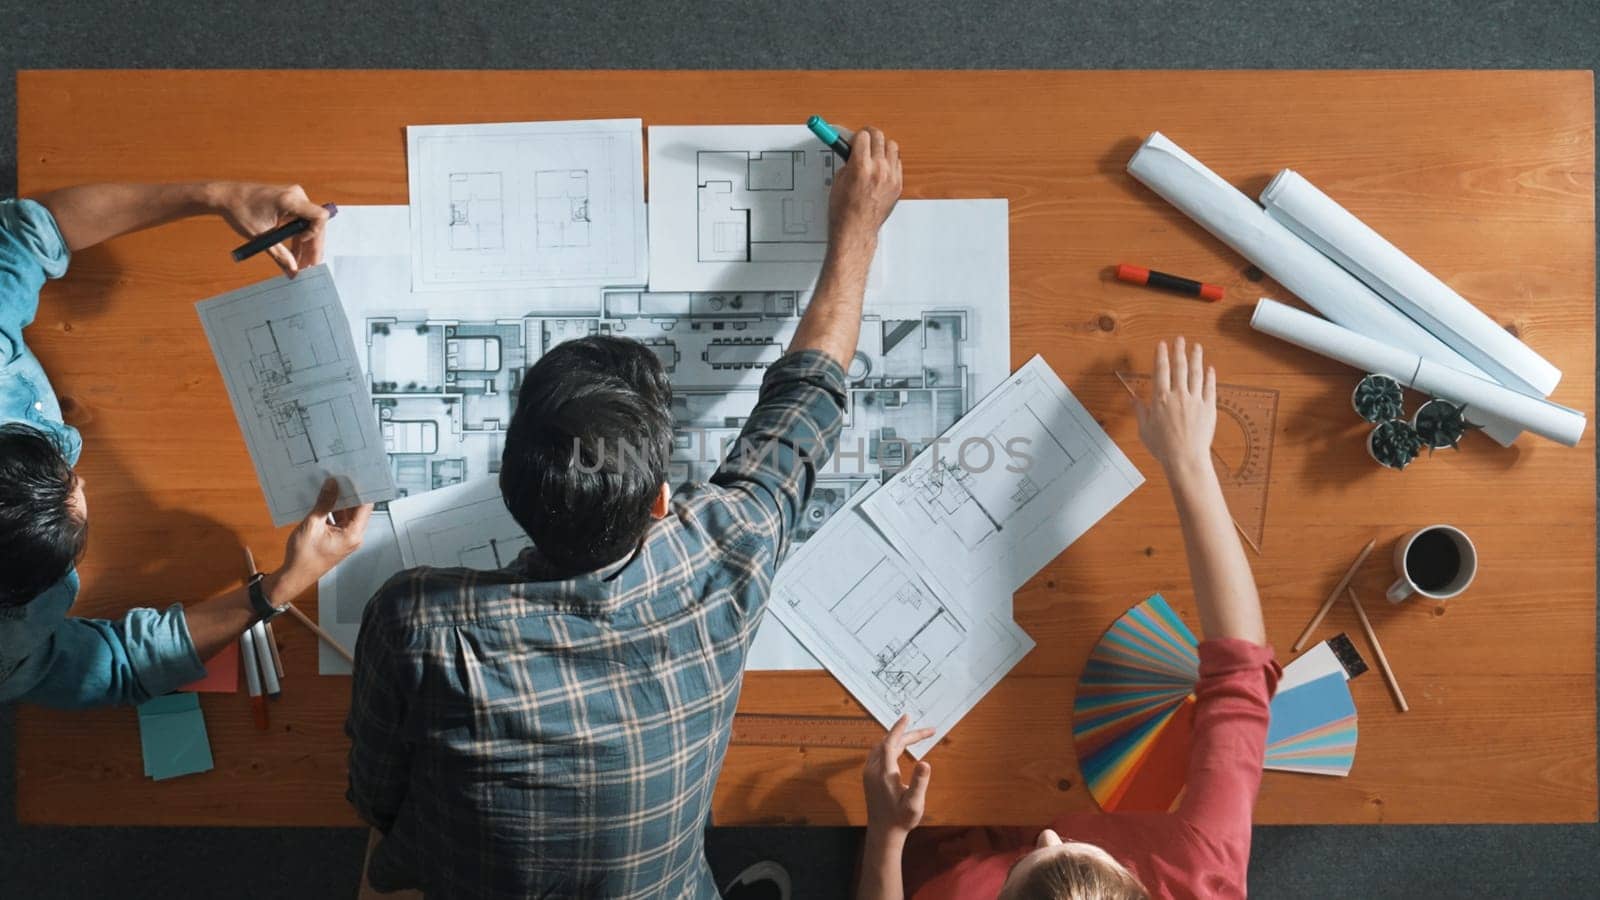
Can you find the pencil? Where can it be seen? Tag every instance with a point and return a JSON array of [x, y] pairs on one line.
[[1328, 603], [327, 638], [1377, 650]]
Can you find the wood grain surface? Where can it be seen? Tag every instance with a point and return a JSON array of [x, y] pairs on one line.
[[1486, 178]]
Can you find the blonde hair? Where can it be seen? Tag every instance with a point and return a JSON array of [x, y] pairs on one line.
[[1074, 876]]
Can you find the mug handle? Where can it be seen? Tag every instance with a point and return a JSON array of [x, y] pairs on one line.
[[1398, 591]]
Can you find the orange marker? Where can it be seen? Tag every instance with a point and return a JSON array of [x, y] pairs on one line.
[[1141, 275]]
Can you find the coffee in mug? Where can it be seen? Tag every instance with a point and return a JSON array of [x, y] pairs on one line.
[[1437, 562]]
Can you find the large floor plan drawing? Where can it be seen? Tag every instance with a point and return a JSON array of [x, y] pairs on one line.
[[763, 205]]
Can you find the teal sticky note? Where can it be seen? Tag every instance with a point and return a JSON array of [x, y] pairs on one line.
[[172, 734]]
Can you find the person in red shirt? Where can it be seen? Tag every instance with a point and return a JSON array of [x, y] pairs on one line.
[[1203, 848]]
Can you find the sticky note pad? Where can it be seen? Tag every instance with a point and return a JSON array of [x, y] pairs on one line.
[[222, 672], [172, 734]]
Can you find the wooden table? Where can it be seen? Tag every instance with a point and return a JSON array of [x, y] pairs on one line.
[[1486, 178]]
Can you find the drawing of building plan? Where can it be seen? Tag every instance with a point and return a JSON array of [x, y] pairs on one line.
[[897, 642], [738, 207], [294, 379], [532, 204], [1015, 482], [465, 526]]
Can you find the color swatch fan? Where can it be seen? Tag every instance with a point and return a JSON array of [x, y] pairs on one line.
[[1133, 717]]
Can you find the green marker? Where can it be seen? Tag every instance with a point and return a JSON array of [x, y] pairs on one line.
[[828, 136]]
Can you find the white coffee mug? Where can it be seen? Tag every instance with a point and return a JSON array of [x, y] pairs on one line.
[[1431, 573]]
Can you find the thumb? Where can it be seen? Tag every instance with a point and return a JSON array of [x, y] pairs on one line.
[[920, 777], [326, 498]]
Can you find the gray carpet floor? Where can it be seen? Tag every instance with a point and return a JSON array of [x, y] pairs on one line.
[[1309, 862]]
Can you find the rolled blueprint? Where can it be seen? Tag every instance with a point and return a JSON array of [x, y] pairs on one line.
[[1415, 291], [1320, 336], [1237, 221]]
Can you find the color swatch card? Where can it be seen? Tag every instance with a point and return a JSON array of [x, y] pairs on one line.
[[222, 672], [172, 734]]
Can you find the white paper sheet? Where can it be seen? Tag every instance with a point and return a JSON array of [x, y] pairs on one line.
[[1415, 291], [739, 207], [343, 593], [1016, 481], [1237, 221], [465, 525], [895, 641], [1558, 423], [527, 204], [295, 383]]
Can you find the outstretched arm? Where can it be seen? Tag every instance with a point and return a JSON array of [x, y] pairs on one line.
[[1177, 426], [863, 195], [91, 213]]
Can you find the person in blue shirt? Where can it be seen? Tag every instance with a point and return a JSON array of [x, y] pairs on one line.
[[46, 656]]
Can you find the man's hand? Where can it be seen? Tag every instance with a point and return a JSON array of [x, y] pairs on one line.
[[893, 807], [254, 209], [1178, 424], [866, 188], [320, 542]]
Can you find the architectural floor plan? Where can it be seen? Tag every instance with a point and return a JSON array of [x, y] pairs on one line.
[[533, 204], [295, 382], [465, 526], [894, 640]]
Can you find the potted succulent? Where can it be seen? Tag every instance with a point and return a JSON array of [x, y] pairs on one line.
[[1394, 443], [1440, 423], [1378, 398]]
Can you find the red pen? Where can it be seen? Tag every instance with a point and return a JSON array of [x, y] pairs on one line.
[[1141, 275]]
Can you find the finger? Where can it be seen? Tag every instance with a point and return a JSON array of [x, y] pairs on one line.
[[918, 736], [862, 147], [920, 777], [880, 144], [894, 153], [295, 204], [1161, 384], [357, 525], [1197, 368], [1180, 367], [285, 260], [327, 496], [1211, 386]]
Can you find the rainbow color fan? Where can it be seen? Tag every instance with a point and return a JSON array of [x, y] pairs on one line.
[[1133, 717]]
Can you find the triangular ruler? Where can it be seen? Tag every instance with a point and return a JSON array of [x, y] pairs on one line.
[[1242, 455]]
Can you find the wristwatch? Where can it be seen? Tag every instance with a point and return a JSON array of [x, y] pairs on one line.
[[260, 605]]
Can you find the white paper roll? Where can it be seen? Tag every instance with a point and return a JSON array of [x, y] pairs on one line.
[[1237, 221], [1415, 291], [1320, 336]]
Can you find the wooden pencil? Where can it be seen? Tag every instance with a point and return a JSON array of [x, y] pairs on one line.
[[1328, 603], [1377, 650]]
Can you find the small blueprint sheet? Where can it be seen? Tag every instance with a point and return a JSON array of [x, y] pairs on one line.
[[1013, 484], [739, 207], [896, 641], [463, 526], [297, 389], [532, 204]]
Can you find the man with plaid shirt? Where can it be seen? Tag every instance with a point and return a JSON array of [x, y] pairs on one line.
[[555, 729]]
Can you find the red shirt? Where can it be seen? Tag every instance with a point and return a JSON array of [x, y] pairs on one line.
[[1201, 850]]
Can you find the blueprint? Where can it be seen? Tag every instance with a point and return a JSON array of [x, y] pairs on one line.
[[896, 641], [739, 207], [1020, 478], [531, 204], [294, 380], [463, 526]]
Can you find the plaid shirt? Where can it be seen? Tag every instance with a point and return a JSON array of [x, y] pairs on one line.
[[518, 736]]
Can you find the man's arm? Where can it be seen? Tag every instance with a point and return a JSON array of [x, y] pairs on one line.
[[791, 432], [91, 213]]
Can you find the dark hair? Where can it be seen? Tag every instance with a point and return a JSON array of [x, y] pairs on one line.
[[587, 450], [1073, 876], [40, 536]]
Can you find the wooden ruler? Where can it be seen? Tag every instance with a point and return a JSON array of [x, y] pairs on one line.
[[776, 730]]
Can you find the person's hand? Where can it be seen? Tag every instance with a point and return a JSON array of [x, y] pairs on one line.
[[254, 209], [866, 187], [320, 542], [1179, 422], [894, 807]]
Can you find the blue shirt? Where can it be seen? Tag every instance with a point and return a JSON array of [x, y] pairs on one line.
[[47, 657], [516, 733]]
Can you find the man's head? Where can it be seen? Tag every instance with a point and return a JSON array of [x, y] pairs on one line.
[[585, 464], [1069, 870], [44, 519]]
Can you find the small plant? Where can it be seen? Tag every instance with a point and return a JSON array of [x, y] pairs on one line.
[[1378, 398], [1441, 424], [1394, 443]]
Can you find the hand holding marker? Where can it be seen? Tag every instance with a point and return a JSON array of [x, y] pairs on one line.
[[828, 135]]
